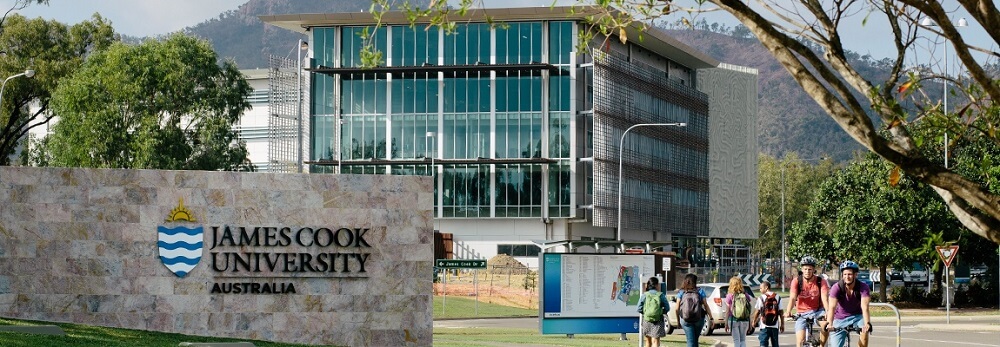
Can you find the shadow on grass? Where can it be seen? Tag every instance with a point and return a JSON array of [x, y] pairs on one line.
[[78, 335]]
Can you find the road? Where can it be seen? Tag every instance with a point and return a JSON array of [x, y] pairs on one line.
[[928, 331]]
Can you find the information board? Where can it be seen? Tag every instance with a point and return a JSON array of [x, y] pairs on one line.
[[594, 285]]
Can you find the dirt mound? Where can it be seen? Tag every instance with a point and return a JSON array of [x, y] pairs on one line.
[[505, 264]]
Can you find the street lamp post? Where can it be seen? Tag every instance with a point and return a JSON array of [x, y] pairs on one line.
[[783, 243], [430, 136], [944, 81], [782, 226], [27, 73], [303, 45], [621, 146]]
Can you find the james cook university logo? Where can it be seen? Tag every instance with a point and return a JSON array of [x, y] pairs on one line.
[[180, 242]]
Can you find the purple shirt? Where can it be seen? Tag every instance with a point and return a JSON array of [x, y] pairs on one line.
[[849, 305]]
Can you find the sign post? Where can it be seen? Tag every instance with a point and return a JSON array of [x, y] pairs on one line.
[[947, 254], [461, 264]]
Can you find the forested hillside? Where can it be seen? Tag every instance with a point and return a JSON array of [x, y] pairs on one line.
[[240, 35], [788, 120]]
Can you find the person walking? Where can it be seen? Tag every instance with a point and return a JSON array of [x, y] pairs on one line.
[[809, 295], [768, 316], [849, 299], [740, 305], [653, 307], [692, 308]]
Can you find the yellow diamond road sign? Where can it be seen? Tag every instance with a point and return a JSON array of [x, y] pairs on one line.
[[947, 254]]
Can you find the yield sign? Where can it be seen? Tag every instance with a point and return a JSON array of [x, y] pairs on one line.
[[947, 254]]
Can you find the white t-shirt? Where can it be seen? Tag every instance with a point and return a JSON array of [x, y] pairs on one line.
[[760, 306]]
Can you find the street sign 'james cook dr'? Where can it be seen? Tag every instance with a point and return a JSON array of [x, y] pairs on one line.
[[461, 263]]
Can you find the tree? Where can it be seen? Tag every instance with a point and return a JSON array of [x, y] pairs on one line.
[[803, 36], [20, 5], [800, 181], [861, 215], [157, 105], [54, 51]]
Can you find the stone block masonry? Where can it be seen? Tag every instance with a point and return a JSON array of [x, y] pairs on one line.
[[318, 259]]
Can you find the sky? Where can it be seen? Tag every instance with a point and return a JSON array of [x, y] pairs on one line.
[[133, 17], [155, 17]]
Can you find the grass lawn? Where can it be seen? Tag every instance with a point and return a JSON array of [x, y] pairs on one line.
[[462, 307], [95, 336], [455, 307], [492, 337]]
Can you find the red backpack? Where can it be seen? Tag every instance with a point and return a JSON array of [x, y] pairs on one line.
[[770, 309]]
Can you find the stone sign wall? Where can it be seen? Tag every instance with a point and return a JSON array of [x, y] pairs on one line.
[[319, 259]]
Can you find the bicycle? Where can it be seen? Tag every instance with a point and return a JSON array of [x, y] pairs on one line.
[[810, 340], [848, 329]]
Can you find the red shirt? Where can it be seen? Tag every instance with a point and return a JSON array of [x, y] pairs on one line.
[[809, 298]]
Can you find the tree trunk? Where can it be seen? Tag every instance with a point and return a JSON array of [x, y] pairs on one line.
[[883, 282]]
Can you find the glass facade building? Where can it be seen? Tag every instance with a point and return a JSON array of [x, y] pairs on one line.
[[520, 129]]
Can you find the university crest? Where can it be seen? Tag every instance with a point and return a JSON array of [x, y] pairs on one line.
[[180, 241]]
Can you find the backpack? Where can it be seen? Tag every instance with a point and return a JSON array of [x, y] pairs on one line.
[[741, 307], [770, 309], [652, 308], [690, 308]]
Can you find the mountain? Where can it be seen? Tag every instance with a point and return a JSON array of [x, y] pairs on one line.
[[240, 35], [788, 120]]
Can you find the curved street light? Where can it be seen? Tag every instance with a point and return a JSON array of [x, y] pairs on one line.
[[621, 146], [29, 73], [927, 22]]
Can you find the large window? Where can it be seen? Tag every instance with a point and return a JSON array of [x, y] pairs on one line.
[[519, 250], [466, 135], [466, 191], [409, 135], [363, 137], [560, 42], [519, 43], [468, 45], [415, 93], [519, 135], [522, 93], [414, 46], [354, 39], [519, 190]]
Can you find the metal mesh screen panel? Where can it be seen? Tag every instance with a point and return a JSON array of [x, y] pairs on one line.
[[282, 120], [665, 187]]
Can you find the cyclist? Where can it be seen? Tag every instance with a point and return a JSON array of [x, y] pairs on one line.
[[849, 299], [809, 295]]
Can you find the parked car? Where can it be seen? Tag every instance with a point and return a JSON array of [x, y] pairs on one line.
[[978, 270], [894, 275], [865, 276], [915, 275], [716, 293]]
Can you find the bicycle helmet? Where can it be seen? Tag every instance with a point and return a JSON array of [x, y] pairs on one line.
[[847, 264], [807, 260]]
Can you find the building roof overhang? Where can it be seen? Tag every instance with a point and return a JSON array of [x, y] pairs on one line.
[[428, 161], [652, 38]]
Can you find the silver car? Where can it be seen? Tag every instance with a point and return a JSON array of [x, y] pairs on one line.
[[715, 292]]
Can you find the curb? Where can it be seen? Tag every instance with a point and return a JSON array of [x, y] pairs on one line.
[[959, 327]]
